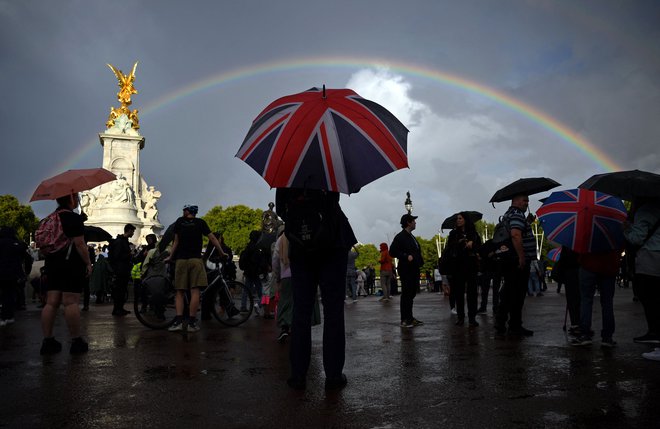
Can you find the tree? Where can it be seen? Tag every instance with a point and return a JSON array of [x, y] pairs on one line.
[[235, 223], [368, 255], [18, 216]]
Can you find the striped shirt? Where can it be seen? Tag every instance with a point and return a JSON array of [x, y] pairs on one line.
[[518, 221]]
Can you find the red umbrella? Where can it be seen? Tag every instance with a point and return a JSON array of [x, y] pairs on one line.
[[71, 182], [325, 139]]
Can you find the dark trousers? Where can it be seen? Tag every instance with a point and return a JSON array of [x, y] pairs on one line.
[[485, 281], [120, 290], [648, 292], [462, 283], [309, 271], [572, 282], [8, 294], [512, 296], [409, 287]]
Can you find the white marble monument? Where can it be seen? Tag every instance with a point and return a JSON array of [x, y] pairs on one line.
[[128, 199]]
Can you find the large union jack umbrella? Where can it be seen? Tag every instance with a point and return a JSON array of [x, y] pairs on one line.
[[585, 221], [325, 139]]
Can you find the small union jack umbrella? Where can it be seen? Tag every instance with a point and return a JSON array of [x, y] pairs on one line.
[[554, 254], [325, 139], [585, 221]]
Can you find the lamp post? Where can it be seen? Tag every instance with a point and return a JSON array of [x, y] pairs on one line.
[[408, 203]]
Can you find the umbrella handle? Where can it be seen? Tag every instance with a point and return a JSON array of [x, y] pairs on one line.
[[324, 91]]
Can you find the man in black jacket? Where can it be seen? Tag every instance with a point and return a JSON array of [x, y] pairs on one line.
[[121, 261], [407, 250]]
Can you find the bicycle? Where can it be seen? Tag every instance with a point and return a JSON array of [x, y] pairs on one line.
[[154, 299]]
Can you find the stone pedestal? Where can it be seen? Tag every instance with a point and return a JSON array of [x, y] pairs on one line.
[[128, 199]]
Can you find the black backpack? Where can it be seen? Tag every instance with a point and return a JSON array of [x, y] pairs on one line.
[[307, 225], [502, 240]]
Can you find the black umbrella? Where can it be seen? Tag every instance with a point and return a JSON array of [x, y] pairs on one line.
[[96, 234], [450, 222], [526, 186], [626, 185]]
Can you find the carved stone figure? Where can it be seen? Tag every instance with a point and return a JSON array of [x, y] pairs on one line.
[[151, 197]]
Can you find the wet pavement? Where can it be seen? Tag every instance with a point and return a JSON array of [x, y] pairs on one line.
[[436, 375]]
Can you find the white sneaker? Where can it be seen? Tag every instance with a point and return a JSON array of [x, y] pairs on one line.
[[654, 355], [9, 321], [453, 311], [3, 323]]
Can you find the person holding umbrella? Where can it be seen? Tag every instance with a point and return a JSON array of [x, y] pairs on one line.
[[320, 237], [515, 269], [463, 244], [68, 271]]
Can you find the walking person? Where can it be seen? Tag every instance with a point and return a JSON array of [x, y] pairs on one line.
[[320, 237], [462, 246], [385, 271], [515, 269], [68, 270], [189, 272], [407, 250], [534, 282], [282, 272], [121, 261]]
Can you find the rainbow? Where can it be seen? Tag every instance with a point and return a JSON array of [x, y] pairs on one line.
[[570, 137]]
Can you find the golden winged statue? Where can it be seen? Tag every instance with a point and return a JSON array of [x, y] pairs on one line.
[[124, 97]]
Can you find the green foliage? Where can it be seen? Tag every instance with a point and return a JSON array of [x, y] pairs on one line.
[[368, 255], [18, 216], [485, 228], [235, 223], [429, 253]]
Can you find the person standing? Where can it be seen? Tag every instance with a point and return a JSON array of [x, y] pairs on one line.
[[253, 261], [534, 282], [12, 252], [320, 237], [351, 273], [515, 269], [463, 244], [68, 270], [385, 271], [189, 272], [121, 261], [644, 232], [407, 250], [597, 270]]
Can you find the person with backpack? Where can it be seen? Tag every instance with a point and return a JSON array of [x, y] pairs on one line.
[[319, 237], [68, 268], [252, 261], [120, 257], [516, 255]]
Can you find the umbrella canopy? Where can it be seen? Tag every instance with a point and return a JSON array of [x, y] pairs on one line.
[[627, 185], [584, 221], [96, 234], [71, 182], [525, 186], [450, 222], [325, 139], [554, 254]]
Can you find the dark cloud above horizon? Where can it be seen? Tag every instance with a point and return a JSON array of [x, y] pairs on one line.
[[594, 66]]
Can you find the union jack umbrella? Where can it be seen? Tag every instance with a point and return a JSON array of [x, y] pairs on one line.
[[554, 254], [585, 221], [325, 139]]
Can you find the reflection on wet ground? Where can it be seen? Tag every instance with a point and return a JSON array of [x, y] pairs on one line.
[[436, 375]]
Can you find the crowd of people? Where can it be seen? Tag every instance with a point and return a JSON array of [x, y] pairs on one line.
[[294, 262]]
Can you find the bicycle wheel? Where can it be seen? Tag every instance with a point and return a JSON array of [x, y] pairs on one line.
[[227, 303], [154, 302]]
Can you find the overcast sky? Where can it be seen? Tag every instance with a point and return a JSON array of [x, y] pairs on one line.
[[592, 66]]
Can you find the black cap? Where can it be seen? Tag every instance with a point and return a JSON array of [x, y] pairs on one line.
[[407, 218]]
